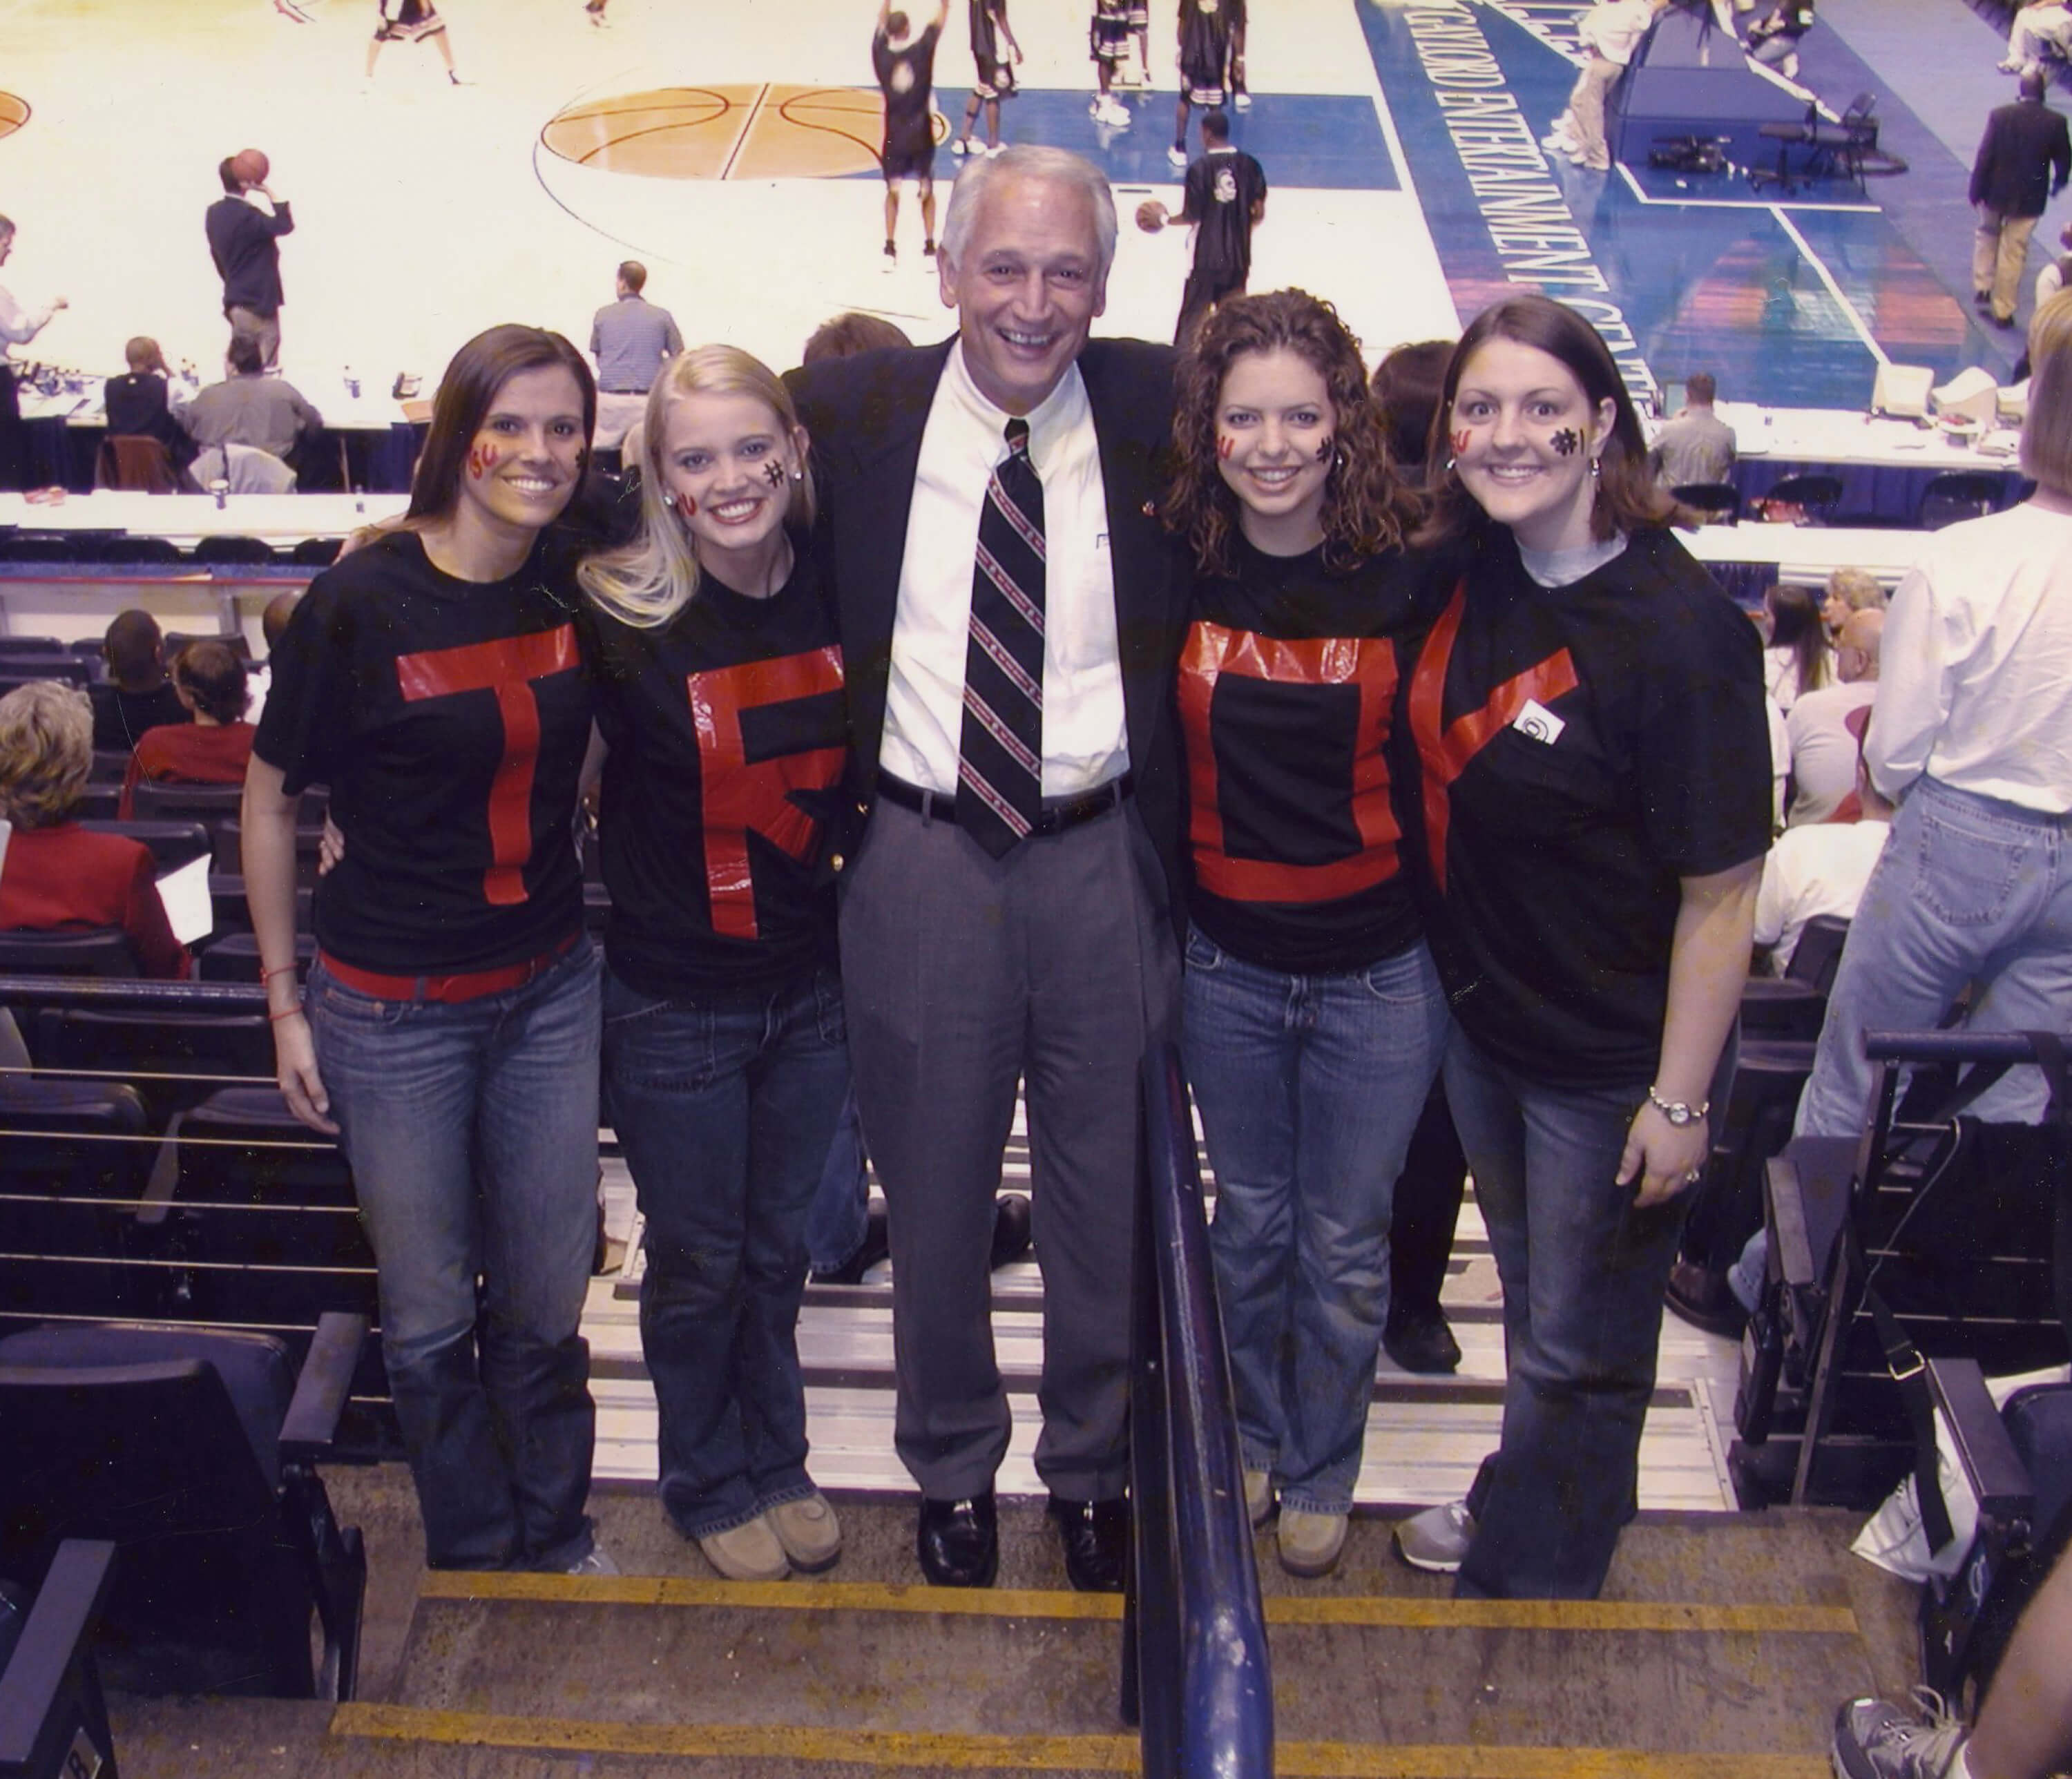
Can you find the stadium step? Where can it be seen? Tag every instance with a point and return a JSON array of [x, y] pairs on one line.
[[1720, 1648]]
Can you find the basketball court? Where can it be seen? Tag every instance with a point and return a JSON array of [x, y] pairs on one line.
[[732, 148]]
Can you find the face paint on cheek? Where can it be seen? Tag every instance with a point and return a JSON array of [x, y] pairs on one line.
[[1324, 451], [482, 459], [687, 506], [1225, 445], [773, 473], [1457, 441], [1566, 442]]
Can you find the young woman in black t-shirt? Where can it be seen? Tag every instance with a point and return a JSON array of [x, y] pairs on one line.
[[1594, 767], [1313, 1019], [432, 679], [719, 682]]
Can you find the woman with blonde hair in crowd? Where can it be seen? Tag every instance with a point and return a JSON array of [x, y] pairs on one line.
[[719, 682], [57, 874]]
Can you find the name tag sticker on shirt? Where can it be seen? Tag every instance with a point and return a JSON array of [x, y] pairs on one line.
[[1537, 723]]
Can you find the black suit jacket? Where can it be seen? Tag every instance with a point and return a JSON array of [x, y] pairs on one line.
[[137, 407], [240, 241], [866, 415], [2024, 160]]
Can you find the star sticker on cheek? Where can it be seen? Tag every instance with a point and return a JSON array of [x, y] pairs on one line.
[[773, 473], [1566, 442]]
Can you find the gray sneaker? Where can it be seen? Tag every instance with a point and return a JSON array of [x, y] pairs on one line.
[[598, 1563], [1437, 1539], [1874, 1738], [1310, 1543], [1258, 1496]]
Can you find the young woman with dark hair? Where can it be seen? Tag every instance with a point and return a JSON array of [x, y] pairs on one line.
[[449, 1034], [209, 679], [1313, 1017], [1588, 715], [719, 681], [1797, 660]]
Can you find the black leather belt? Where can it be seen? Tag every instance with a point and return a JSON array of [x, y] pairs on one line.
[[1065, 812]]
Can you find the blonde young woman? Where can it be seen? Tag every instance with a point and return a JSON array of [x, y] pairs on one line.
[[719, 682]]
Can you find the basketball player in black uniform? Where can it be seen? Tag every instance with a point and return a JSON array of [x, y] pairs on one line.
[[906, 71], [1225, 198], [411, 22], [1108, 40], [996, 72], [1206, 27]]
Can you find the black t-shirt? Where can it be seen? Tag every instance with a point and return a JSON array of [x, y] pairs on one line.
[[906, 76], [1223, 186], [984, 38], [725, 734], [449, 719], [1581, 748], [120, 717], [1288, 689], [1205, 29]]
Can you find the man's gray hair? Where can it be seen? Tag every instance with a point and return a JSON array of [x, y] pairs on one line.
[[1029, 161]]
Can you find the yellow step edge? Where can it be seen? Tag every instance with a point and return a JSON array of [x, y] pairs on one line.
[[1409, 1613], [1038, 1754]]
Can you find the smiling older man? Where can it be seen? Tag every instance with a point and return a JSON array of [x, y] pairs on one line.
[[1009, 624]]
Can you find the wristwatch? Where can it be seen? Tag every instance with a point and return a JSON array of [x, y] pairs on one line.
[[1677, 1111]]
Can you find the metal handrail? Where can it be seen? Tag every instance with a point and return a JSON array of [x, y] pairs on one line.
[[1196, 1677]]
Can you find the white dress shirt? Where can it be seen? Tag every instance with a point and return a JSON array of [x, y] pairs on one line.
[[1085, 739], [19, 325], [1975, 684], [1819, 870], [1614, 30]]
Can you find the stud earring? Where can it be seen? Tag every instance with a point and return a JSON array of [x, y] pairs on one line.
[[1594, 463], [668, 500]]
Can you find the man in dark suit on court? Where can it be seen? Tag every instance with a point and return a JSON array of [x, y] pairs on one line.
[[243, 242], [1010, 625], [2023, 163]]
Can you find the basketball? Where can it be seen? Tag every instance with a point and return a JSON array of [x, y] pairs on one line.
[[1151, 216], [252, 164]]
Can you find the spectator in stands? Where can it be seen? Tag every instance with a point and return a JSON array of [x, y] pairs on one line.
[[1849, 589], [17, 327], [1969, 737], [1772, 39], [848, 334], [1822, 869], [2039, 27], [725, 1057], [1823, 749], [431, 679], [2024, 161], [1797, 659], [1609, 33], [250, 408], [215, 747], [1311, 1016], [1588, 718], [1405, 387], [1695, 445], [259, 679], [145, 401], [136, 696], [2024, 1727], [57, 875], [631, 340]]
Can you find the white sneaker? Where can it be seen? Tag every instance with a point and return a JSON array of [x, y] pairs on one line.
[[1258, 1496], [961, 146], [1437, 1539], [749, 1552], [1558, 141], [1177, 156], [1310, 1543], [809, 1531], [598, 1563], [2011, 65], [1120, 114], [996, 151], [1244, 102]]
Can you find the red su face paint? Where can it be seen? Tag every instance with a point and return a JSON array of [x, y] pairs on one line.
[[1225, 445], [481, 459]]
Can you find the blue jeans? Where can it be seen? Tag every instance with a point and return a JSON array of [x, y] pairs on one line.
[[1968, 890], [726, 1106], [840, 1217], [1309, 1087], [471, 1130], [1583, 1274]]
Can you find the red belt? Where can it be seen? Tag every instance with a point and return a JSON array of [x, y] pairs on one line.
[[465, 985]]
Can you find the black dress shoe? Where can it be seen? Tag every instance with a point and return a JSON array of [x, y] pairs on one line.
[[1421, 1343], [1095, 1534], [1011, 1229], [1704, 1300], [959, 1542], [877, 1244]]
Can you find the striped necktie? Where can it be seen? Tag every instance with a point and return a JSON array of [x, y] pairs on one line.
[[1000, 763]]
